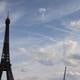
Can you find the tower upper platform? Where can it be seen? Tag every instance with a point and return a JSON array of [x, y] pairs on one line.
[[7, 21]]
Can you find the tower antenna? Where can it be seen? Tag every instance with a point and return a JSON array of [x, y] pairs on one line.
[[64, 77], [64, 53], [8, 14]]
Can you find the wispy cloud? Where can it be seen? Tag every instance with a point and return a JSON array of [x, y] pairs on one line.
[[75, 24], [50, 54]]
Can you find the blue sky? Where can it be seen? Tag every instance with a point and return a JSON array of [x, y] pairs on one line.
[[44, 37]]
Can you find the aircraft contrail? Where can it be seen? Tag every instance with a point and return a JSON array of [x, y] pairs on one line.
[[44, 36], [63, 30]]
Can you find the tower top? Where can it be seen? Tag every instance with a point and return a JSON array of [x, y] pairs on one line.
[[64, 73], [7, 21]]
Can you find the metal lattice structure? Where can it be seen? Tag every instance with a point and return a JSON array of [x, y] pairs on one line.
[[5, 64]]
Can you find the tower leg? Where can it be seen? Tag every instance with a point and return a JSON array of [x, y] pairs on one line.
[[9, 75], [0, 74]]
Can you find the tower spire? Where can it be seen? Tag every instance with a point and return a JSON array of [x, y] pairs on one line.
[[64, 77], [8, 14], [7, 22]]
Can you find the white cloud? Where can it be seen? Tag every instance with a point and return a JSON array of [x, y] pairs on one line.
[[42, 10], [50, 54], [22, 50], [42, 14], [75, 24], [45, 62]]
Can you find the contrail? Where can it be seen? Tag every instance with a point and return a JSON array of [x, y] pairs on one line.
[[72, 33], [47, 37], [63, 30]]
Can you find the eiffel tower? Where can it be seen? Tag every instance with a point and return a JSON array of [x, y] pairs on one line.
[[5, 64]]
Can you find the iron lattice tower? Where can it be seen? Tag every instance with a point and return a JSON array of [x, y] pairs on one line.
[[5, 64]]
